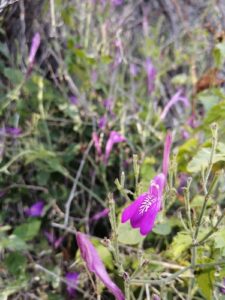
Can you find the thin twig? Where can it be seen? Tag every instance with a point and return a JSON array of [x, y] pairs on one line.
[[75, 183]]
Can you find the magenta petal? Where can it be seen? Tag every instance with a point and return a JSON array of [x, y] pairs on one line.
[[36, 209], [132, 208], [157, 185], [148, 220]]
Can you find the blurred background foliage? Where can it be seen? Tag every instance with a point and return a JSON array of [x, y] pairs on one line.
[[91, 68]]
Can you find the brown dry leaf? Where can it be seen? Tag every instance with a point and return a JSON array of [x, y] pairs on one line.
[[211, 78]]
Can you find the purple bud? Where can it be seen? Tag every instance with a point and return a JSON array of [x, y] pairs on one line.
[[35, 210], [73, 100], [36, 40], [71, 280], [177, 97], [114, 138], [53, 240], [100, 215], [102, 122], [97, 145], [151, 75]]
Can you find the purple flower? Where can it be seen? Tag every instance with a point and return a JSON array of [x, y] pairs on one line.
[[13, 131], [95, 265], [151, 75], [36, 40], [155, 297], [71, 280], [100, 215], [53, 240], [36, 209], [102, 122], [114, 138], [143, 211], [177, 97], [73, 100], [97, 145], [222, 289]]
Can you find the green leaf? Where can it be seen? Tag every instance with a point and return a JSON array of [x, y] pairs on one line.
[[127, 235], [15, 262], [13, 243], [219, 54], [201, 160], [219, 239], [162, 229], [104, 254], [181, 242], [14, 75], [28, 231], [205, 282]]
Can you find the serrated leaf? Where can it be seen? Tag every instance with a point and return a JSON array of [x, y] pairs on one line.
[[127, 235]]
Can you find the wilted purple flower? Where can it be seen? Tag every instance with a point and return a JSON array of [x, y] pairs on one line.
[[73, 100], [53, 240], [102, 122], [71, 280], [36, 40], [151, 75], [97, 145], [114, 138], [13, 131], [177, 97], [100, 215], [95, 265], [143, 211], [36, 209]]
